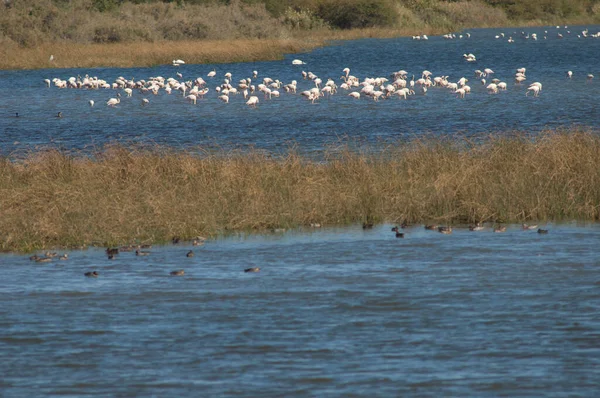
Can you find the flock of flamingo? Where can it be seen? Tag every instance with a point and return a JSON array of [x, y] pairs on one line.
[[254, 89]]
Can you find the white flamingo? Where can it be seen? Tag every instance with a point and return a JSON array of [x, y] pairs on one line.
[[113, 102], [212, 73], [534, 89], [192, 98], [91, 102], [145, 101], [252, 101]]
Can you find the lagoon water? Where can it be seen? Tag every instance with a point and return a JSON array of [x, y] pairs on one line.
[[333, 311], [290, 119]]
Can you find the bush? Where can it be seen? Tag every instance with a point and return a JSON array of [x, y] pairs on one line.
[[303, 19], [350, 14]]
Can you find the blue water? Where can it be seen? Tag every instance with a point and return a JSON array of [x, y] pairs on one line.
[[290, 119], [333, 311]]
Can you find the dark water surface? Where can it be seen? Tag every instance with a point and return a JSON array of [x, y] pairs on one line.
[[333, 312], [171, 120]]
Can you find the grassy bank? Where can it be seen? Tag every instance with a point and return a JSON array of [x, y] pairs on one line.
[[93, 33], [119, 195]]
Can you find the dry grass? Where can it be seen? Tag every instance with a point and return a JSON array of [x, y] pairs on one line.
[[119, 195], [125, 55]]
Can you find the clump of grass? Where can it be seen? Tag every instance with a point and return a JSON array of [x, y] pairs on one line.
[[119, 195]]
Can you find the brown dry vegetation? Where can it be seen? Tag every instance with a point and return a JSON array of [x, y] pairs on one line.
[[120, 195]]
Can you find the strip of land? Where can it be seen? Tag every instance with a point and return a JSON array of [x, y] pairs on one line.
[[122, 195], [110, 33]]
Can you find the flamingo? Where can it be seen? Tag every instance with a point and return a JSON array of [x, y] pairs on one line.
[[534, 89], [298, 62], [145, 101], [354, 94], [91, 102], [224, 98], [128, 91], [113, 102], [252, 101], [192, 98], [569, 74], [492, 88], [47, 81], [347, 72], [212, 73]]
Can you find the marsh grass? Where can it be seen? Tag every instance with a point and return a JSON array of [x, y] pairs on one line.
[[119, 194]]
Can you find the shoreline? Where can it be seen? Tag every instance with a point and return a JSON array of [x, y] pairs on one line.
[[147, 54], [119, 195]]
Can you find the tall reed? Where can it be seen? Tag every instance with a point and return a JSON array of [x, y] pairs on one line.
[[118, 194]]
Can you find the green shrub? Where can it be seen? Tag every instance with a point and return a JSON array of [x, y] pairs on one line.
[[303, 19], [350, 14]]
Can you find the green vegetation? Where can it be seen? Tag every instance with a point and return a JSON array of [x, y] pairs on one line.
[[42, 24], [118, 195]]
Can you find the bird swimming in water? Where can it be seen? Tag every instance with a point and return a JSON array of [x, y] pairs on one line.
[[190, 254], [59, 115], [178, 272], [252, 269], [92, 274]]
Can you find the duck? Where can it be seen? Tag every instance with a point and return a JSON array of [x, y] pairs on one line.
[[34, 257], [252, 269], [367, 225], [92, 274], [64, 257], [43, 259], [431, 227], [445, 230], [476, 227], [190, 254], [51, 254], [178, 272], [112, 251], [399, 234], [197, 242], [529, 227], [542, 231], [141, 253], [500, 229]]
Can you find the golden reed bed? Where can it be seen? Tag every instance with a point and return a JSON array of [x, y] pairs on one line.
[[119, 195]]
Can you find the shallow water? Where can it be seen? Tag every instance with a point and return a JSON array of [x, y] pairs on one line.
[[279, 122], [333, 311]]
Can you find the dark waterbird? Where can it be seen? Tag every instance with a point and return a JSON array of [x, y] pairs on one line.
[[252, 269], [542, 231], [190, 254], [178, 272], [91, 274]]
